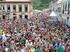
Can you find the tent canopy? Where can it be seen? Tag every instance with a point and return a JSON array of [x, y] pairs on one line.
[[53, 14]]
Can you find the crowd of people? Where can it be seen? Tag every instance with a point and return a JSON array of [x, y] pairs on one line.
[[35, 35]]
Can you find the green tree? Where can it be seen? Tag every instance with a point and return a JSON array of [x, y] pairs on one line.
[[36, 4], [40, 4]]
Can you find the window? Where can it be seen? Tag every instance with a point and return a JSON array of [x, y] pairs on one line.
[[67, 18], [14, 13], [26, 16], [14, 17], [26, 8], [8, 7], [20, 16], [63, 11], [14, 7], [0, 7], [20, 8], [59, 9], [3, 16], [3, 7]]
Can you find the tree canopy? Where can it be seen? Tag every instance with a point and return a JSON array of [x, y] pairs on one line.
[[40, 4]]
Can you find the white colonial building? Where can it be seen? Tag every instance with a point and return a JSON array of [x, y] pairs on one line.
[[15, 9], [66, 11]]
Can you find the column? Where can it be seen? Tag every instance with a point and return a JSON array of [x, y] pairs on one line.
[[11, 11], [5, 12], [17, 11], [23, 11], [5, 7], [67, 7], [29, 10]]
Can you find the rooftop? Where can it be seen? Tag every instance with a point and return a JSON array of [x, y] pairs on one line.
[[17, 1]]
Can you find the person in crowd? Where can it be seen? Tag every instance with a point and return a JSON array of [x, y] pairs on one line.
[[37, 49], [36, 35], [60, 49], [22, 49]]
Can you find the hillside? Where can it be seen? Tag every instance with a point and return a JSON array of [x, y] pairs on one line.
[[40, 4]]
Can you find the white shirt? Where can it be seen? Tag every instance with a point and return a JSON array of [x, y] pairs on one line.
[[22, 50], [6, 49], [4, 38]]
